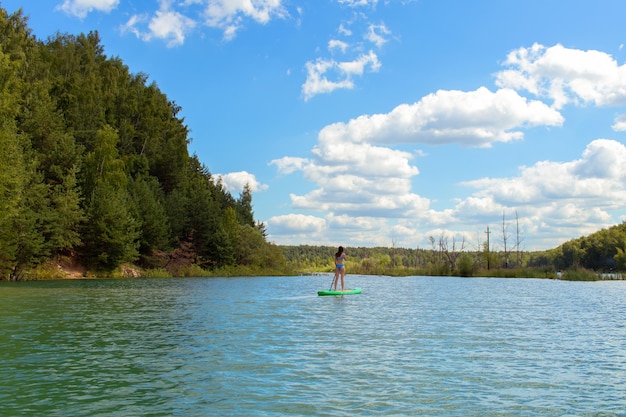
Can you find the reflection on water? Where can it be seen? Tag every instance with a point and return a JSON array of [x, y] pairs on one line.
[[271, 346]]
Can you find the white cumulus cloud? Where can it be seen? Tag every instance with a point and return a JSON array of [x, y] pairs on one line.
[[474, 118], [358, 3], [598, 178], [230, 15], [296, 224], [80, 8], [620, 123], [377, 34], [234, 182], [327, 75], [166, 24], [334, 44], [170, 26], [566, 75]]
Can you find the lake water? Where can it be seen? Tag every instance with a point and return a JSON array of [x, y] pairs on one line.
[[426, 346]]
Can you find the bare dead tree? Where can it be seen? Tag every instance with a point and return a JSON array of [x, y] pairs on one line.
[[505, 239], [433, 249], [451, 255], [518, 240], [443, 245], [487, 249]]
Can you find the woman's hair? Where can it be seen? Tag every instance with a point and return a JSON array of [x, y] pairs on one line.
[[339, 252]]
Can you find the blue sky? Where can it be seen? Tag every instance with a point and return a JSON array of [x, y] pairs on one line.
[[381, 123]]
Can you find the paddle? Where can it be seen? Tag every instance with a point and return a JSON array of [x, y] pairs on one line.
[[332, 282]]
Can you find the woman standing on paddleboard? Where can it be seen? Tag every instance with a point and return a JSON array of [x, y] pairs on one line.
[[340, 267]]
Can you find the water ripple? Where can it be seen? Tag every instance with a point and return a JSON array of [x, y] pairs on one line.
[[271, 347]]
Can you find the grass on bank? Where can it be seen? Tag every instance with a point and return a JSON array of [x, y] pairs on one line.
[[53, 271]]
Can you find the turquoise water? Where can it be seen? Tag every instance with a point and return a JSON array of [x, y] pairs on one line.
[[271, 347]]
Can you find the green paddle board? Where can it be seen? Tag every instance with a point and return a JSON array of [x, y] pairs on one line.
[[344, 292]]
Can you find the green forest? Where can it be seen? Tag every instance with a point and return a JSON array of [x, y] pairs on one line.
[[95, 171], [95, 176]]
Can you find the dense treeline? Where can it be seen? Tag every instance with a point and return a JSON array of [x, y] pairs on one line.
[[391, 260], [601, 251], [94, 167], [582, 258]]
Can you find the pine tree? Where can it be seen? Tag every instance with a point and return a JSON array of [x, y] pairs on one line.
[[111, 234], [13, 176], [147, 201], [245, 215]]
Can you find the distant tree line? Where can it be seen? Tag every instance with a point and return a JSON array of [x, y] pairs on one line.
[[94, 167], [601, 252]]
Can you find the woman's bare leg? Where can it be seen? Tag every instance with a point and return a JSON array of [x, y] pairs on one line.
[[343, 274]]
